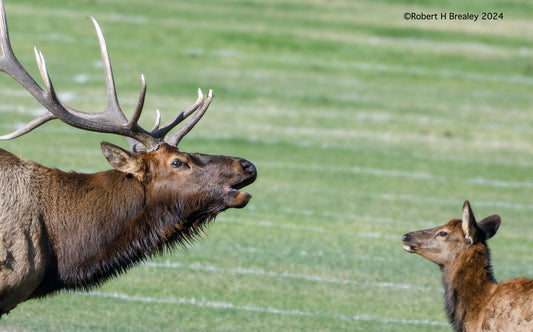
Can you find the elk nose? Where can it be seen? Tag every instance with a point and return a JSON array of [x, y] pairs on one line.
[[248, 167], [405, 237]]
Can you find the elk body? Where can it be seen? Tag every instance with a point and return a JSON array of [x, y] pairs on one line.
[[474, 300], [73, 231]]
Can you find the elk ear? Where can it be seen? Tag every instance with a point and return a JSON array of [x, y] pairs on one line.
[[490, 225], [469, 223], [123, 160]]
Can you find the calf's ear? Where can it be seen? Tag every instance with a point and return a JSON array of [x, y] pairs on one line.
[[123, 160], [469, 223], [490, 225]]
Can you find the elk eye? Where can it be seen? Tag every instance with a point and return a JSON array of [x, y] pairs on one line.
[[177, 163], [443, 233]]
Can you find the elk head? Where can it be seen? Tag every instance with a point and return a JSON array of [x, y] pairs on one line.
[[200, 180], [443, 244], [205, 184]]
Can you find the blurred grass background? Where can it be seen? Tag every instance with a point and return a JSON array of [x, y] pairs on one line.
[[363, 126]]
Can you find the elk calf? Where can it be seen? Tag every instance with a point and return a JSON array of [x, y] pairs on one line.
[[475, 301]]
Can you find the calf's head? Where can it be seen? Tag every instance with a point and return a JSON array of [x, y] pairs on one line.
[[442, 244]]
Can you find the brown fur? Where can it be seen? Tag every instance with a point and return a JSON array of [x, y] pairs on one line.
[[474, 300], [73, 231]]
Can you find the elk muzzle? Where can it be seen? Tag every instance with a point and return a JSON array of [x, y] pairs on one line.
[[248, 173], [408, 244]]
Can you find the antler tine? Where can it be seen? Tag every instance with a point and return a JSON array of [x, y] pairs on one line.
[[157, 121], [169, 125], [134, 144], [175, 138], [29, 126], [41, 64], [140, 104], [113, 106], [4, 41]]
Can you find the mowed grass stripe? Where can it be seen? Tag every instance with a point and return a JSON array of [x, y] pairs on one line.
[[285, 274], [269, 310]]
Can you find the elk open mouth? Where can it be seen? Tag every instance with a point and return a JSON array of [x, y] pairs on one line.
[[244, 183], [409, 248], [406, 238], [237, 198]]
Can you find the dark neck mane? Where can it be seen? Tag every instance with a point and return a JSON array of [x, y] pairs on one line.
[[465, 282], [117, 231]]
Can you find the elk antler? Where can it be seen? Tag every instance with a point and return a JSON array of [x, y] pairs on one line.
[[112, 120]]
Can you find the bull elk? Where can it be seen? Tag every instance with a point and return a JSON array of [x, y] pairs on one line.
[[475, 301], [74, 231]]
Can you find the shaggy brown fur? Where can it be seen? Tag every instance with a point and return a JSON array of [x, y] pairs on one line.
[[73, 231], [474, 300]]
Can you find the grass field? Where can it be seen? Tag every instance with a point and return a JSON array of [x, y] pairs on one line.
[[363, 126]]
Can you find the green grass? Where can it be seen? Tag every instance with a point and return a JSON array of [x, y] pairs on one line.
[[363, 126]]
